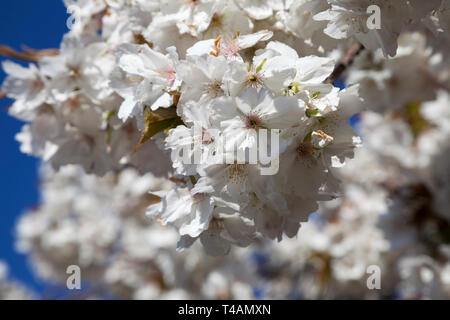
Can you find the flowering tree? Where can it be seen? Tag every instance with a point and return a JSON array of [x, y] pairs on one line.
[[223, 122]]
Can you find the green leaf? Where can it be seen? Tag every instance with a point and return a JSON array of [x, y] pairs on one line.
[[110, 114], [315, 95], [156, 122], [308, 137], [258, 68], [311, 112], [193, 180], [415, 119]]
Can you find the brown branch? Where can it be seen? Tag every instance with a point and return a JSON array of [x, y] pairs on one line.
[[2, 95], [346, 61], [28, 54]]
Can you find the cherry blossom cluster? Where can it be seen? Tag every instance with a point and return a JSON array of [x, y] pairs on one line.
[[99, 225], [392, 212], [150, 84]]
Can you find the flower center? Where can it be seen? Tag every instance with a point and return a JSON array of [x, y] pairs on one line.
[[306, 154], [253, 121], [74, 72], [254, 80], [231, 50], [237, 173], [169, 75], [214, 89]]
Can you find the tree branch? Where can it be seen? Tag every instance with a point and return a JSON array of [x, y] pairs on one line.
[[28, 54], [346, 61]]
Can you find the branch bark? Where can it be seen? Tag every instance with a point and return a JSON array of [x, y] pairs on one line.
[[346, 61], [28, 54]]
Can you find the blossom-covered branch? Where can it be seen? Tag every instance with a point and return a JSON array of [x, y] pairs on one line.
[[235, 104]]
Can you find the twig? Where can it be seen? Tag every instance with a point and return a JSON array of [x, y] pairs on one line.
[[28, 54], [351, 54], [2, 95]]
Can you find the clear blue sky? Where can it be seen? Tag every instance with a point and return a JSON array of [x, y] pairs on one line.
[[38, 24]]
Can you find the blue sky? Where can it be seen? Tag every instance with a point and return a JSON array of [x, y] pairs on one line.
[[37, 24]]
